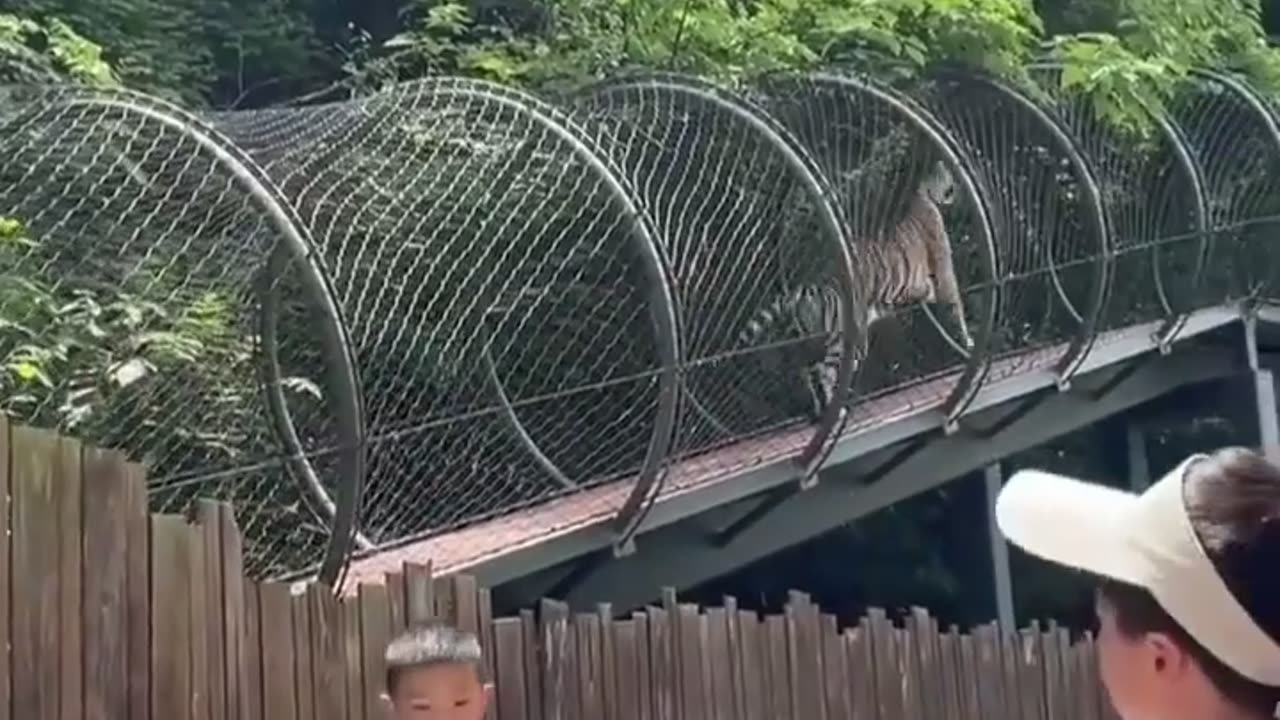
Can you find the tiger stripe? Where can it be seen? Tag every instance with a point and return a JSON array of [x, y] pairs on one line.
[[913, 264]]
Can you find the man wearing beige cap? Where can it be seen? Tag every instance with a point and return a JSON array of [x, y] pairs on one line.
[[1189, 571]]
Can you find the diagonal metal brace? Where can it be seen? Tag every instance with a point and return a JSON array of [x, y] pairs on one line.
[[1024, 408], [1122, 375], [579, 573], [766, 505], [776, 497]]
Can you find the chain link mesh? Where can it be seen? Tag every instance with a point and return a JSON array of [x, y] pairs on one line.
[[1157, 223], [1051, 241], [130, 256], [879, 154], [1233, 136], [540, 303], [494, 284], [745, 224]]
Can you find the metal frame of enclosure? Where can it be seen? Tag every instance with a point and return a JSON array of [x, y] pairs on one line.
[[663, 301], [784, 89], [1096, 215], [870, 447], [1196, 195], [835, 230], [295, 249]]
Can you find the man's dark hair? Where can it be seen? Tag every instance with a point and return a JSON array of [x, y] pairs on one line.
[[1233, 500]]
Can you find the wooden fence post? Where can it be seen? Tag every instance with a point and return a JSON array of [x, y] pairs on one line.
[[114, 613]]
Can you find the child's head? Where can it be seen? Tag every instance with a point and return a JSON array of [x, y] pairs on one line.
[[433, 673]]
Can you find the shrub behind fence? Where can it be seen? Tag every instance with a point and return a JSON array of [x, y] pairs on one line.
[[114, 613]]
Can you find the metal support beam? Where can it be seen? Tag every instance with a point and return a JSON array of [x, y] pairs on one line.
[[679, 555], [1139, 468], [1264, 389], [1251, 340], [777, 497], [1264, 393], [988, 407], [578, 573], [771, 500], [1008, 419], [993, 477], [1126, 372]]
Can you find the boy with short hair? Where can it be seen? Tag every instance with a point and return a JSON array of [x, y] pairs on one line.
[[434, 673]]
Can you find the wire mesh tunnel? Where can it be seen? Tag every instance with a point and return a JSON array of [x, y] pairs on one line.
[[1053, 241], [922, 237], [1152, 189], [756, 246], [132, 247], [444, 303], [1234, 137], [509, 311]]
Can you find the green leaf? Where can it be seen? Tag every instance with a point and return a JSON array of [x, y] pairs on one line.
[[27, 371]]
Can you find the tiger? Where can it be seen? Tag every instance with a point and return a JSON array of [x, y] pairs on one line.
[[909, 264]]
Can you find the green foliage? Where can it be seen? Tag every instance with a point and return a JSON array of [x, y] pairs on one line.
[[149, 42], [994, 35], [85, 358], [1131, 55], [129, 347], [31, 50], [1128, 56], [195, 51], [575, 40]]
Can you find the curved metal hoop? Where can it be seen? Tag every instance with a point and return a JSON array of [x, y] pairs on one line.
[[1269, 116], [297, 246], [1194, 175], [273, 389], [978, 358], [1169, 331], [1085, 335], [793, 153], [662, 302], [508, 409]]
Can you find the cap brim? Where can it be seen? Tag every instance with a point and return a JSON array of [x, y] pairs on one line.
[[1069, 522]]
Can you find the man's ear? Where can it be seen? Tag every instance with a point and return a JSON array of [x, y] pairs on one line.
[[1168, 658], [488, 694], [388, 709]]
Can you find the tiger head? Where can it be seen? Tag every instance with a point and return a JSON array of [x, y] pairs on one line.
[[939, 185]]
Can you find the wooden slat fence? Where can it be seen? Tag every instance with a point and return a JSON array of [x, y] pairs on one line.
[[115, 613]]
